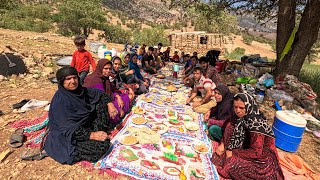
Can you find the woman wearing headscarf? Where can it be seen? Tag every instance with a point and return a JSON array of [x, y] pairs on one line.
[[251, 151], [135, 86], [126, 73], [134, 65], [221, 114], [99, 79], [79, 121]]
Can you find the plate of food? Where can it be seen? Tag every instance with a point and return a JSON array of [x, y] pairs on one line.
[[173, 171], [139, 120], [138, 110], [160, 76], [200, 147], [192, 126], [160, 128], [128, 140], [171, 88], [154, 90]]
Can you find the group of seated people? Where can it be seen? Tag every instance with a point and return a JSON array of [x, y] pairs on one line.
[[82, 117]]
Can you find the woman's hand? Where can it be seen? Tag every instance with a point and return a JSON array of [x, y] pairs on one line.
[[207, 115], [112, 110], [228, 153], [220, 150], [120, 102], [99, 136], [121, 113]]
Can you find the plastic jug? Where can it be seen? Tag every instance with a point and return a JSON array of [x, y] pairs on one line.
[[113, 52], [101, 50], [260, 97], [108, 55], [176, 68]]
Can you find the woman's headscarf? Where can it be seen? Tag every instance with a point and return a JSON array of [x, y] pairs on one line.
[[253, 121], [124, 66], [96, 78], [135, 67], [224, 109], [68, 111]]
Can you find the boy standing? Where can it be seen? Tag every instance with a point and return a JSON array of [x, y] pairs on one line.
[[81, 58]]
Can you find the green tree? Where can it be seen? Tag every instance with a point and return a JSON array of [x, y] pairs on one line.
[[116, 34], [80, 17], [287, 13], [150, 36]]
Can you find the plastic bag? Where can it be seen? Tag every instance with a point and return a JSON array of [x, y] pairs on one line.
[[277, 95]]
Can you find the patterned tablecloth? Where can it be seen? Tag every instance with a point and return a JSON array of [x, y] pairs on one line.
[[175, 149]]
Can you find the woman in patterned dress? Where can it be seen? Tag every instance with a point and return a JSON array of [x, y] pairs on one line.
[[248, 151]]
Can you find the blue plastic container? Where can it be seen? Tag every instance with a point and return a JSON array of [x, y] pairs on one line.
[[288, 128]]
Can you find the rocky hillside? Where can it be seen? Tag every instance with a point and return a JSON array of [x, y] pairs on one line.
[[150, 10]]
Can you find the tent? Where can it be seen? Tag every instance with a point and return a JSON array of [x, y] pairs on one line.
[[11, 64]]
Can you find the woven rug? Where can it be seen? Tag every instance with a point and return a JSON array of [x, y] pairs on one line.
[[34, 129]]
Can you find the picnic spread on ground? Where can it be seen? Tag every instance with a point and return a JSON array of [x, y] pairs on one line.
[[164, 136], [157, 142]]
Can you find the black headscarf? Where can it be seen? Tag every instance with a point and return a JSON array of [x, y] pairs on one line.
[[64, 72], [253, 121], [68, 111], [224, 109]]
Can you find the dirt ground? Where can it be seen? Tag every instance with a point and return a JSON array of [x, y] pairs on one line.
[[15, 89]]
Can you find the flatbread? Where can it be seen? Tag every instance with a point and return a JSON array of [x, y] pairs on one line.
[[138, 110], [144, 135], [139, 120], [129, 140], [171, 88]]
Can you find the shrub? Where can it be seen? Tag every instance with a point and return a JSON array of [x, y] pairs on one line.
[[310, 74], [27, 18], [247, 39], [236, 54]]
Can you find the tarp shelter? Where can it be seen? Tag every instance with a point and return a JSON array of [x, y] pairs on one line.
[[11, 64]]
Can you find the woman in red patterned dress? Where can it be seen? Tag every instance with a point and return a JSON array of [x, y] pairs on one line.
[[248, 150]]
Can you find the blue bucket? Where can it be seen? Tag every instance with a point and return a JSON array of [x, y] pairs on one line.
[[288, 128]]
